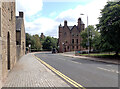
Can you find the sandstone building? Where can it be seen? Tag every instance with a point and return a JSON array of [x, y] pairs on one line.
[[69, 37], [20, 35], [8, 47]]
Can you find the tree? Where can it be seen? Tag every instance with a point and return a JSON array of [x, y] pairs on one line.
[[37, 44], [109, 26], [34, 41], [94, 37], [50, 43]]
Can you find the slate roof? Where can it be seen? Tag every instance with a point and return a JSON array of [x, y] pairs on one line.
[[19, 21], [70, 27]]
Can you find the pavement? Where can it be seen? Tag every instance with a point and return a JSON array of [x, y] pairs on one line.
[[29, 72], [111, 61]]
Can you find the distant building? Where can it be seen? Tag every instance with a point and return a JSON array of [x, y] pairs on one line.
[[42, 36], [69, 37]]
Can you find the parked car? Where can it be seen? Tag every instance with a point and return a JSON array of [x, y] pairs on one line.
[[54, 50]]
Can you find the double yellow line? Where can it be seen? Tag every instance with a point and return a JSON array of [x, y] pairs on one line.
[[72, 82]]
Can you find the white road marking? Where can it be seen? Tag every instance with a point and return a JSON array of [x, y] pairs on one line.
[[114, 71], [76, 62], [108, 65], [62, 59]]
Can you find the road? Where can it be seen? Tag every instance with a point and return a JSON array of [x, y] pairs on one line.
[[85, 72]]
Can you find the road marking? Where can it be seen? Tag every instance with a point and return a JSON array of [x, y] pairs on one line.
[[72, 82], [108, 65], [114, 71], [62, 59], [76, 62]]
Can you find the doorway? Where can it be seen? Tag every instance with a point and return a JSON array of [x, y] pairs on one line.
[[8, 51]]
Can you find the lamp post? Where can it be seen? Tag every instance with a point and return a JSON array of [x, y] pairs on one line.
[[30, 47], [88, 33]]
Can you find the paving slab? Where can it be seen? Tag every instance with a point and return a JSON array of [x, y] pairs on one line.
[[29, 72]]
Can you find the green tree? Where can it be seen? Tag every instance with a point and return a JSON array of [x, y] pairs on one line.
[[50, 43], [37, 44], [94, 36], [109, 26]]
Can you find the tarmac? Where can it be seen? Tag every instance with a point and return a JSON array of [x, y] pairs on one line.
[[29, 72]]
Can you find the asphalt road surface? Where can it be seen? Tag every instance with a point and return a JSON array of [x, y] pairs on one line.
[[85, 72]]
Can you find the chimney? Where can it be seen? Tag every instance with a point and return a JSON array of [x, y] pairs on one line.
[[21, 14], [79, 23], [65, 23]]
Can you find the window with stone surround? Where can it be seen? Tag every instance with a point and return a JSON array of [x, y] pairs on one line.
[[77, 41], [73, 41]]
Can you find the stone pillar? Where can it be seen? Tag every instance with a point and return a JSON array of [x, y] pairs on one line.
[[0, 63]]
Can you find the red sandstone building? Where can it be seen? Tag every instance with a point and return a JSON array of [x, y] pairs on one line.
[[69, 37]]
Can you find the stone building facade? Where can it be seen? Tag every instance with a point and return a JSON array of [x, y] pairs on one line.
[[8, 48], [20, 35], [8, 37], [69, 37]]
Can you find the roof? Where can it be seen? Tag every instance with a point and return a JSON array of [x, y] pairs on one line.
[[19, 21], [70, 27]]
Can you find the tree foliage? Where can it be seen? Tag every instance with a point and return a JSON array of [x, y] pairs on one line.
[[94, 37], [50, 43], [109, 26], [38, 43]]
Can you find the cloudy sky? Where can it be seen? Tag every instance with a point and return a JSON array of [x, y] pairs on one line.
[[46, 15]]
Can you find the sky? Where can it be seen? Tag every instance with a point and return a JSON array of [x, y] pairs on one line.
[[44, 16]]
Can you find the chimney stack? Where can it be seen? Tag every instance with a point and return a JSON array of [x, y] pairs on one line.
[[21, 14], [65, 23]]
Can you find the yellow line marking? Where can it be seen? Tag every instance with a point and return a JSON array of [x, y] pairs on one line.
[[75, 84]]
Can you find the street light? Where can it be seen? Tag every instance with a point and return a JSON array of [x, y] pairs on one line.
[[30, 47], [88, 32]]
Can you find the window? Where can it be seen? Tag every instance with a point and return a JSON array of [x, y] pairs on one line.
[[77, 47], [73, 41], [77, 41], [72, 47], [68, 47], [65, 34]]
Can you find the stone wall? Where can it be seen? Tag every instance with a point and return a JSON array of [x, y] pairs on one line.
[[0, 62], [8, 30], [23, 47], [18, 52]]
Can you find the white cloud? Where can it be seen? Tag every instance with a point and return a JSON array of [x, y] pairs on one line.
[[50, 26], [92, 10], [30, 7], [42, 25], [53, 14]]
